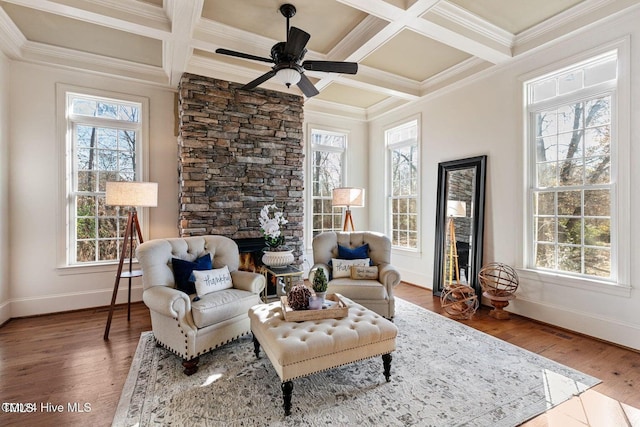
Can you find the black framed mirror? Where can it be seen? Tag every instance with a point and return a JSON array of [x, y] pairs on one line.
[[460, 214]]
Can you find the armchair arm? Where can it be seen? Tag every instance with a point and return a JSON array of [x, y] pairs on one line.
[[312, 271], [167, 301], [389, 276], [248, 281]]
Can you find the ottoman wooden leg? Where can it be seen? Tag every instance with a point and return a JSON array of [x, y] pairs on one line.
[[386, 361], [256, 347], [287, 391]]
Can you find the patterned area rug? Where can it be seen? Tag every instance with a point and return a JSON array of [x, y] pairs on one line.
[[443, 374]]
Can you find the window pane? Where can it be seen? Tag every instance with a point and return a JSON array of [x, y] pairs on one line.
[[86, 251], [544, 203], [569, 259], [570, 230], [546, 173], [546, 229], [597, 262], [597, 203], [570, 203], [545, 256], [597, 232]]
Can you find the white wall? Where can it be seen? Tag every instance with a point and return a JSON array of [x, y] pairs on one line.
[[37, 284], [4, 191], [484, 116]]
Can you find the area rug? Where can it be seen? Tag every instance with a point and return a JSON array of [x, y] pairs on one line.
[[443, 373]]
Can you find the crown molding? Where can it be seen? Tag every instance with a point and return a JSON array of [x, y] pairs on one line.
[[463, 18], [11, 39], [72, 59]]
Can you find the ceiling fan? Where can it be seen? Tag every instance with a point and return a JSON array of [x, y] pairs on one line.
[[287, 57]]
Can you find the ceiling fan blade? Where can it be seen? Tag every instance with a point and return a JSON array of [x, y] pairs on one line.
[[243, 55], [263, 78], [296, 41], [331, 66], [307, 87]]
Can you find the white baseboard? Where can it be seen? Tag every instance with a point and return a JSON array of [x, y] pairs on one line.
[[5, 312], [603, 328], [414, 278], [20, 307]]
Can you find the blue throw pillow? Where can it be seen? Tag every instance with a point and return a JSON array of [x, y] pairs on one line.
[[183, 272], [360, 252]]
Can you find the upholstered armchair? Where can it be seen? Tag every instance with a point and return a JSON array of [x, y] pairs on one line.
[[190, 324], [369, 284]]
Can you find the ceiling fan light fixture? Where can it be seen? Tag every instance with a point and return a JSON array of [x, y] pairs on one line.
[[288, 76]]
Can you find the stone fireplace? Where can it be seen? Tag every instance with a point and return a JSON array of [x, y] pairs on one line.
[[238, 151]]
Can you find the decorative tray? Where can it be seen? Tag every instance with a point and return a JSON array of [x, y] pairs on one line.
[[333, 308]]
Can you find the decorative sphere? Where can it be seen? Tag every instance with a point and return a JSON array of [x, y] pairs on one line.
[[459, 301], [298, 297], [498, 280]]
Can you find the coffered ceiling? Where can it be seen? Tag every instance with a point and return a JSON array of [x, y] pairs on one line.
[[406, 49]]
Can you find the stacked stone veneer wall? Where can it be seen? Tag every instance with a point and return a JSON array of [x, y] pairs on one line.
[[238, 150]]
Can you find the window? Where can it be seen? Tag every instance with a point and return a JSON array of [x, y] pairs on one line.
[[402, 145], [572, 139], [327, 163], [103, 144]]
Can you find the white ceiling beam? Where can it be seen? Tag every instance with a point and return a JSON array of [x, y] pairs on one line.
[[157, 28], [177, 51], [474, 41]]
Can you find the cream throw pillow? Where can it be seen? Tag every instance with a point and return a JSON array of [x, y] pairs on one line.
[[359, 272], [208, 281], [342, 267]]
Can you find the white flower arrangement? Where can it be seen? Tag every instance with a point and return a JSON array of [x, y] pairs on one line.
[[271, 218]]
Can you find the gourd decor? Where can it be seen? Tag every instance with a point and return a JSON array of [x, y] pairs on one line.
[[298, 297]]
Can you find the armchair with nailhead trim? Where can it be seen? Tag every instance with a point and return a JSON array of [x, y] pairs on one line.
[[184, 324]]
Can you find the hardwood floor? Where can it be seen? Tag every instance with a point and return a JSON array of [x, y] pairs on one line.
[[62, 359]]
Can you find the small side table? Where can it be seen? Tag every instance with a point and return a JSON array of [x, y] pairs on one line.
[[287, 274], [120, 275]]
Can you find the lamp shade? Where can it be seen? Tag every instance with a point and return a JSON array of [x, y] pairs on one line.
[[456, 208], [128, 193], [288, 76], [348, 196]]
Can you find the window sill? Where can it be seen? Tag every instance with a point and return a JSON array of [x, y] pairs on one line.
[[94, 268], [602, 287], [406, 252]]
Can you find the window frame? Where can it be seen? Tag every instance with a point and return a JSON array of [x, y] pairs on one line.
[[389, 148], [66, 123], [313, 147], [618, 283]]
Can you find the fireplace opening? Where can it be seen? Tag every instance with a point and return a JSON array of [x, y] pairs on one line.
[[251, 251]]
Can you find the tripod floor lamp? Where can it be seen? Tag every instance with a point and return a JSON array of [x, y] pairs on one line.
[[347, 197], [131, 194], [455, 209]]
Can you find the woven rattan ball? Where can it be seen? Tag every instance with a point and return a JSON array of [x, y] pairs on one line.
[[498, 280], [298, 297], [459, 301]]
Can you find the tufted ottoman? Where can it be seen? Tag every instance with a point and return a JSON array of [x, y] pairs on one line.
[[297, 349]]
